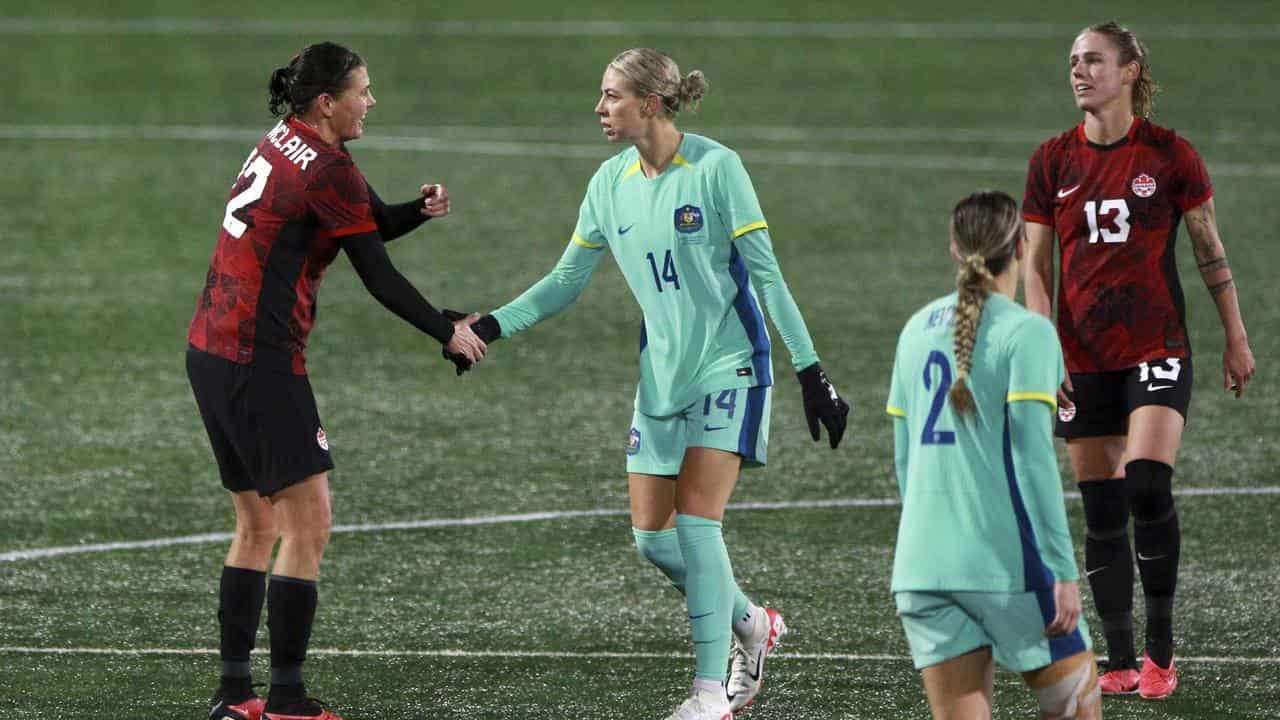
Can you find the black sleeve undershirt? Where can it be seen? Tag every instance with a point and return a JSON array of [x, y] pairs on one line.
[[392, 289], [396, 220]]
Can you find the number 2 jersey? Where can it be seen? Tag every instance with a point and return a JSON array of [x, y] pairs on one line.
[[693, 246], [294, 201], [1116, 210], [982, 506]]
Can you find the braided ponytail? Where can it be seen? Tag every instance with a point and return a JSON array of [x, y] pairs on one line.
[[985, 228], [974, 282]]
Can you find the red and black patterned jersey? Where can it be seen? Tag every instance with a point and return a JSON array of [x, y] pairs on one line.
[[295, 199], [1116, 210]]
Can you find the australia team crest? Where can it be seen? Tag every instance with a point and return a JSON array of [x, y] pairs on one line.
[[688, 219], [633, 442]]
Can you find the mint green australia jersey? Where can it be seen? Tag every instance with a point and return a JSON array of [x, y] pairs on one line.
[[982, 503], [693, 246]]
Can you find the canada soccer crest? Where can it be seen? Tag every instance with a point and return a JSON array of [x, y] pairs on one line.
[[1144, 186], [688, 219], [1066, 413], [322, 440]]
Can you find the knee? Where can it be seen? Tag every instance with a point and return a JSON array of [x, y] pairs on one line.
[[257, 534], [1106, 508], [1152, 483], [662, 548], [1072, 693]]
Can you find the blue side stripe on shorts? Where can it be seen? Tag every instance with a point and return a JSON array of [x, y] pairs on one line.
[[749, 315], [1035, 573], [750, 432], [644, 336]]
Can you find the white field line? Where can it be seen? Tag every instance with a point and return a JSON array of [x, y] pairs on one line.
[[40, 553], [541, 654], [595, 151], [27, 26]]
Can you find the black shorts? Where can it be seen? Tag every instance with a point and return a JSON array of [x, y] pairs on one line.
[[1104, 400], [263, 424]]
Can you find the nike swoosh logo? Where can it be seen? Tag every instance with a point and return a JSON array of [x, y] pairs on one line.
[[755, 676], [625, 230], [1153, 388], [711, 428], [1068, 191], [695, 617], [1089, 573], [1153, 557]]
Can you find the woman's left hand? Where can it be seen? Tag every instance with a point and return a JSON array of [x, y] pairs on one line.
[[1237, 366], [1066, 597], [437, 204]]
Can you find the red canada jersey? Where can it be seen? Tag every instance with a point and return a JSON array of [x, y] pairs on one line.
[[1116, 209], [295, 199]]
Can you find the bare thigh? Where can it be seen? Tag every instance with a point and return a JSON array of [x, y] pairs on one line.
[[961, 688], [653, 501], [707, 478]]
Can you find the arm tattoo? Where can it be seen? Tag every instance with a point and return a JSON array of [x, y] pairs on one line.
[[1213, 265], [1218, 289]]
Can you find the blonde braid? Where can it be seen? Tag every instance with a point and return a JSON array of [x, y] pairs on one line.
[[974, 282]]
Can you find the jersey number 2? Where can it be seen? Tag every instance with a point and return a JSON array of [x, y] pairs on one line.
[[931, 435], [258, 167]]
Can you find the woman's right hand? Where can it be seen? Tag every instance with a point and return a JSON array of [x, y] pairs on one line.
[[464, 341], [1064, 400]]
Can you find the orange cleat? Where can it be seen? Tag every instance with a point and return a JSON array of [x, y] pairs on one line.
[[1121, 681], [250, 709], [1157, 683]]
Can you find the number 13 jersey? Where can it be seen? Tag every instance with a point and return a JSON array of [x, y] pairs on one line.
[[1116, 209]]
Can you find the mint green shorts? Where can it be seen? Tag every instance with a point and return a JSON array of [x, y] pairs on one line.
[[733, 420], [944, 625]]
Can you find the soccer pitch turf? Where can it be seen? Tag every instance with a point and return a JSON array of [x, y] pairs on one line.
[[485, 568]]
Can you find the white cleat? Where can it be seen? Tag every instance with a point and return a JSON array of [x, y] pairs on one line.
[[703, 705], [747, 676]]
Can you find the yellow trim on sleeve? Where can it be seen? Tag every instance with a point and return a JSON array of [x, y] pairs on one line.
[[1047, 398], [585, 244], [748, 228], [631, 170], [896, 412]]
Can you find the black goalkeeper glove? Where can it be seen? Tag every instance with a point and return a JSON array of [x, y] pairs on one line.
[[486, 328], [822, 403]]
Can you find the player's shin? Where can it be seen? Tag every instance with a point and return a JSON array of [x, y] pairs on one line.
[[709, 591], [291, 610], [240, 596], [1158, 540], [1109, 564]]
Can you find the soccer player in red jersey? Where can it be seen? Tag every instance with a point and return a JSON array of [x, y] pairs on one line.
[[297, 201], [1113, 190]]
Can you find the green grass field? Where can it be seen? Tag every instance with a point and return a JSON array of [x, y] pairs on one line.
[[861, 124]]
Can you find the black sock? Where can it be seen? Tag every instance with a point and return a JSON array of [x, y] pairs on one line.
[[1158, 540], [240, 595], [291, 608], [1109, 565]]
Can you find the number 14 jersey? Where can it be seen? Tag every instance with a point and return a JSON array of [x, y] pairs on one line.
[[1115, 209]]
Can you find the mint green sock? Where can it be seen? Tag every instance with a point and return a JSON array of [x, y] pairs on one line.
[[709, 592], [662, 548]]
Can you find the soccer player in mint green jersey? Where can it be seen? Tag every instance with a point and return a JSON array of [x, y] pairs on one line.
[[984, 571], [680, 217]]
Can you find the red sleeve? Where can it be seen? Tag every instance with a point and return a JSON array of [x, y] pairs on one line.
[[338, 199], [1037, 202], [1191, 187]]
